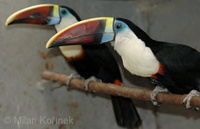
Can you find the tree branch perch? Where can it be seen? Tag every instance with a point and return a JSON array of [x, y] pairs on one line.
[[124, 91]]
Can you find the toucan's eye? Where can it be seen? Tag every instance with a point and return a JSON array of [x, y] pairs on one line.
[[63, 12], [118, 26]]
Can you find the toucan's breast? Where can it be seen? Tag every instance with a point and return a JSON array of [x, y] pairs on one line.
[[72, 52], [136, 56]]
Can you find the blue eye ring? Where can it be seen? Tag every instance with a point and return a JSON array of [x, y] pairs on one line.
[[118, 26], [64, 12]]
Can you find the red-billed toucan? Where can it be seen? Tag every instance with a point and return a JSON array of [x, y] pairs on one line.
[[167, 65], [87, 60]]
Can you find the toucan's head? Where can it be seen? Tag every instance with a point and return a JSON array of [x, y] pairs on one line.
[[48, 14], [97, 31], [45, 14]]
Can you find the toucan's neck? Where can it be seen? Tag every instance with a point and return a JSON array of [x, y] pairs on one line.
[[65, 22], [139, 33], [142, 35], [137, 57], [71, 50], [149, 42]]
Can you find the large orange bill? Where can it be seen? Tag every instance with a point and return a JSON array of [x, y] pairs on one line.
[[45, 14], [90, 31]]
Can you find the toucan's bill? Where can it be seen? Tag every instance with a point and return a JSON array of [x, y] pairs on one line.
[[94, 30], [45, 14]]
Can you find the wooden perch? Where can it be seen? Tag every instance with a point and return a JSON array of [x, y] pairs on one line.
[[124, 91]]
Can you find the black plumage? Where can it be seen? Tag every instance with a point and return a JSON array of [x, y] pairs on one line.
[[98, 61], [181, 67], [180, 72], [91, 61], [94, 62]]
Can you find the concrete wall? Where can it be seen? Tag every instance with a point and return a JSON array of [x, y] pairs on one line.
[[23, 46]]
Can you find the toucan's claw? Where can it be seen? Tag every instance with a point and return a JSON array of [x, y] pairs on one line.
[[188, 98], [157, 90], [86, 84], [70, 77]]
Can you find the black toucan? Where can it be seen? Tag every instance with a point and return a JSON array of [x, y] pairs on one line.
[[87, 60], [167, 65]]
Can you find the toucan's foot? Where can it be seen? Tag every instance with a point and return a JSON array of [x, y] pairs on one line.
[[188, 98], [71, 76], [157, 90], [92, 78]]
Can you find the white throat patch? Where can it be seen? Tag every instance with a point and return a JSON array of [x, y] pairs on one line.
[[71, 50], [136, 56], [65, 22]]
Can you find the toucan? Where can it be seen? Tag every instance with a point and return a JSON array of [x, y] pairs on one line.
[[87, 60], [169, 66]]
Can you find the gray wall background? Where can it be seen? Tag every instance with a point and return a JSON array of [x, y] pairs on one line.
[[21, 66]]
